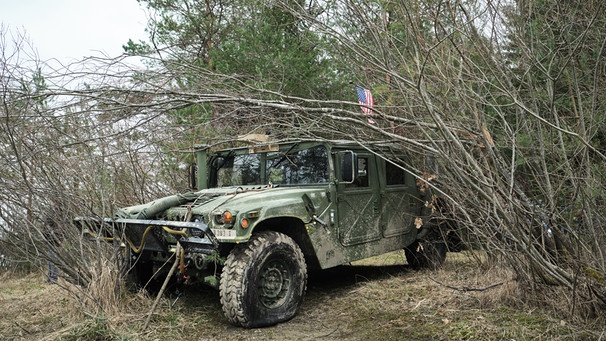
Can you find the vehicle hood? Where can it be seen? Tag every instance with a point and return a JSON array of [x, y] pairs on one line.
[[211, 201]]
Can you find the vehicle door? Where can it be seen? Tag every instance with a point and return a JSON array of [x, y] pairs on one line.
[[359, 205], [399, 205]]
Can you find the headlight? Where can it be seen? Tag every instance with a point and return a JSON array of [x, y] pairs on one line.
[[225, 218]]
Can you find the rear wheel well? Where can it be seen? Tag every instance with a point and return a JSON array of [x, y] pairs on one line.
[[295, 229]]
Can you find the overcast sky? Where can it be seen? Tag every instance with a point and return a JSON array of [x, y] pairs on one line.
[[72, 29]]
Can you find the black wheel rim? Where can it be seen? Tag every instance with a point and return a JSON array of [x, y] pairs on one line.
[[275, 283]]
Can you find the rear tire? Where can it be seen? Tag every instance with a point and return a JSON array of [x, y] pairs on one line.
[[263, 281]]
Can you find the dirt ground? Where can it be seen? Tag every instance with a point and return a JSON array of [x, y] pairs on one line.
[[377, 299]]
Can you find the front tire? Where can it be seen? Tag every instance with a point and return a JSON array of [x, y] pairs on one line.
[[263, 281]]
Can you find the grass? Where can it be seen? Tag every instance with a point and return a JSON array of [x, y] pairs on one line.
[[376, 299]]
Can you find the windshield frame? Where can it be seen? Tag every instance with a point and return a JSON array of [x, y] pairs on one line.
[[294, 164]]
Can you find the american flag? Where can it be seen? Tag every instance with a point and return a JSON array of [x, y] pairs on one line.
[[366, 101]]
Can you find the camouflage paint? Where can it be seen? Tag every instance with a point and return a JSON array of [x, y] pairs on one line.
[[342, 223]]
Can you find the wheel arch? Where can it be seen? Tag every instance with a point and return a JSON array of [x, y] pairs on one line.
[[295, 229]]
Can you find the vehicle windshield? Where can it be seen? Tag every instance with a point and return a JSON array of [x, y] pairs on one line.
[[288, 167]]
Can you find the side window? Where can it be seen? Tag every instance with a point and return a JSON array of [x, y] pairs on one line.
[[363, 169], [394, 175]]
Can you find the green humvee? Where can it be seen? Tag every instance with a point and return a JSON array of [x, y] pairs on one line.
[[261, 216]]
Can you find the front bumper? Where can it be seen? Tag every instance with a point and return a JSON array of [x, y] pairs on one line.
[[150, 235]]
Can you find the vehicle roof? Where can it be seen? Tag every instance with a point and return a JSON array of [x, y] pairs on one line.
[[248, 144]]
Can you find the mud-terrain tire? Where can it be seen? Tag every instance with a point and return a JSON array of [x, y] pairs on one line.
[[263, 281], [426, 255]]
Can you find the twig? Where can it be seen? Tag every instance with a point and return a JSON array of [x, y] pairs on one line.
[[168, 277], [327, 335], [464, 288], [418, 304], [23, 328]]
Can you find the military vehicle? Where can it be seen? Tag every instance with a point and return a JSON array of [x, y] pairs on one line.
[[259, 217]]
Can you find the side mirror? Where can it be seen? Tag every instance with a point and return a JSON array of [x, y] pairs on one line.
[[199, 177], [349, 166], [218, 162], [193, 185]]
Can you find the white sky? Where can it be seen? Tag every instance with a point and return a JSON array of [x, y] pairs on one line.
[[70, 30]]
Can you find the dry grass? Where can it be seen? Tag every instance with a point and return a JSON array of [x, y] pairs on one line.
[[378, 299], [102, 297], [31, 308]]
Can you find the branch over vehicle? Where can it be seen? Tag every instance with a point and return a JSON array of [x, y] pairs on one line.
[[260, 216]]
